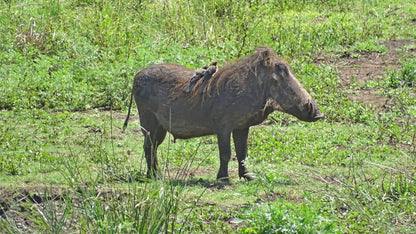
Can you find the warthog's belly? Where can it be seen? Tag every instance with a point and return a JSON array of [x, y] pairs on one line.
[[190, 132], [185, 123]]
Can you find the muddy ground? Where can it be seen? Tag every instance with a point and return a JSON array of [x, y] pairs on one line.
[[365, 66], [14, 204]]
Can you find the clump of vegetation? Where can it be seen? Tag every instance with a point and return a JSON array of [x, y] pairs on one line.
[[144, 209], [382, 203], [406, 76], [283, 217]]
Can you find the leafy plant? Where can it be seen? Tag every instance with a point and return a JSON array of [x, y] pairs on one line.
[[404, 77]]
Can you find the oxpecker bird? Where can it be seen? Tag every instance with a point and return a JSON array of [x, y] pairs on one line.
[[198, 75], [207, 75]]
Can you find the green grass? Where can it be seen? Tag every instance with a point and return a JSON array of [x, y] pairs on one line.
[[66, 72]]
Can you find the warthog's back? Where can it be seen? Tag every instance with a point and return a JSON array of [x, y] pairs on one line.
[[158, 92]]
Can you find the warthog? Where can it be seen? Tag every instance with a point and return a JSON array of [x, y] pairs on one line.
[[236, 97]]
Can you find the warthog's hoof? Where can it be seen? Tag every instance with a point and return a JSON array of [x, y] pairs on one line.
[[224, 180], [154, 176], [249, 176]]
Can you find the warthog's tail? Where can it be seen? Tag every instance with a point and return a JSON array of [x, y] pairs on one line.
[[128, 113]]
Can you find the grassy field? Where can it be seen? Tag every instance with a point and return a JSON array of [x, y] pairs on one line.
[[66, 70]]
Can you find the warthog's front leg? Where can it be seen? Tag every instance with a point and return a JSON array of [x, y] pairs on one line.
[[240, 143], [225, 155]]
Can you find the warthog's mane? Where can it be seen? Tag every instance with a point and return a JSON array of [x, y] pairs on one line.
[[236, 71]]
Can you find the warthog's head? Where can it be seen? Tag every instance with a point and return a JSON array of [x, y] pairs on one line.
[[286, 91]]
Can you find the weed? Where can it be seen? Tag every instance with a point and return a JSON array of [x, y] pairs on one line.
[[404, 77]]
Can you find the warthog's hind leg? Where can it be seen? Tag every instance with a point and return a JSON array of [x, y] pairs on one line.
[[154, 136]]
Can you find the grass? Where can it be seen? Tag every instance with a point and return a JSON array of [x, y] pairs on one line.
[[66, 72]]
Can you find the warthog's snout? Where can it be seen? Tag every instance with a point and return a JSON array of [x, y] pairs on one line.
[[318, 115], [314, 114], [308, 112]]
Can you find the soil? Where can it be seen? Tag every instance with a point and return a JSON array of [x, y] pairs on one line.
[[365, 66]]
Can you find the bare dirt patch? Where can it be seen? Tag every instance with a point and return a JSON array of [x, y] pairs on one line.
[[365, 66], [370, 98]]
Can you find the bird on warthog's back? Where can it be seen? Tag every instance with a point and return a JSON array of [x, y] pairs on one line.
[[207, 75], [197, 76]]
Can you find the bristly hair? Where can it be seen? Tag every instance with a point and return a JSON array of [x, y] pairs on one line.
[[262, 58]]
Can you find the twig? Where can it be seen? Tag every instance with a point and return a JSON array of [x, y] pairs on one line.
[[386, 167], [316, 173]]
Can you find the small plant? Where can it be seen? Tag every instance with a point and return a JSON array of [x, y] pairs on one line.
[[404, 77], [368, 46], [51, 213]]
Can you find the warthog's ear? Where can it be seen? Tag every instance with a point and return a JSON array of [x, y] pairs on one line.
[[263, 51], [265, 54]]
